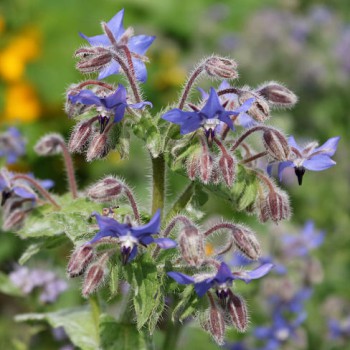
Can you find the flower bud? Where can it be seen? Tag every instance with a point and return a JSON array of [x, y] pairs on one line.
[[276, 144], [221, 67], [259, 110], [245, 240], [227, 166], [237, 311], [98, 147], [205, 165], [274, 206], [94, 275], [277, 95], [192, 165], [14, 220], [216, 324], [80, 136], [92, 59], [191, 245], [49, 145], [105, 190], [79, 260]]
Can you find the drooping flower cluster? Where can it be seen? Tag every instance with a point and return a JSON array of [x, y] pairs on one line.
[[49, 284]]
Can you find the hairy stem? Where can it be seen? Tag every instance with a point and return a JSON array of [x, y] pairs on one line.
[[172, 335], [246, 134], [158, 192], [133, 203], [189, 84], [40, 189], [95, 312], [69, 169], [256, 156]]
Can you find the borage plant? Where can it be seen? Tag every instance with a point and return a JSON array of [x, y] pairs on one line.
[[152, 269]]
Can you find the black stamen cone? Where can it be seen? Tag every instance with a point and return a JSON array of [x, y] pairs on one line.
[[125, 254], [210, 134], [5, 196], [103, 123], [299, 172]]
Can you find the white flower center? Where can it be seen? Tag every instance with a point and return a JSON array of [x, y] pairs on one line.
[[282, 334], [211, 123], [128, 241]]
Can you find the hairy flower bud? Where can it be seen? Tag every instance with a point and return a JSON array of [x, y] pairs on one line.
[[80, 136], [276, 144], [227, 166], [49, 145], [94, 275], [245, 240], [277, 94], [205, 165], [79, 260], [192, 165], [259, 110], [216, 324], [98, 147], [274, 206], [92, 58], [191, 243], [221, 67], [237, 311], [105, 190], [14, 220]]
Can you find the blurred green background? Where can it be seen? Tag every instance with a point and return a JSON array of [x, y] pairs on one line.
[[303, 44]]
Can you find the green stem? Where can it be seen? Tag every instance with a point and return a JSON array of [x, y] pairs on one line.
[[95, 311], [172, 335], [158, 168], [182, 201]]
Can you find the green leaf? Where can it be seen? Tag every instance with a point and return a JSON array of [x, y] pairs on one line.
[[114, 278], [7, 287], [116, 335], [249, 195], [77, 323], [72, 219], [143, 276]]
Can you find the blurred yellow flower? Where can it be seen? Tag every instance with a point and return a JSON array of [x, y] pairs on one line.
[[21, 103], [13, 58], [209, 249]]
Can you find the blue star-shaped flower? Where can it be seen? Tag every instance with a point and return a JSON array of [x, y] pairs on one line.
[[221, 280], [310, 157], [112, 106], [130, 237], [12, 145], [137, 45], [209, 117]]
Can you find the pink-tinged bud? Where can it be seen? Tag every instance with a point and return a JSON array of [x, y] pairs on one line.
[[94, 275], [276, 144], [205, 165], [192, 165], [49, 145], [105, 190], [14, 220], [79, 260], [216, 324], [259, 110], [80, 136], [191, 243], [274, 206], [92, 59], [98, 147], [246, 241], [215, 175], [277, 94], [227, 165], [74, 109], [221, 67], [237, 311]]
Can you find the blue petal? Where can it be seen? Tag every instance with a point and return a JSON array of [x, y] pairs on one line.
[[86, 97], [262, 332], [146, 240], [106, 223], [133, 253], [115, 25], [119, 96], [140, 70], [102, 234], [202, 287], [282, 166], [203, 93], [224, 117], [165, 243], [292, 143], [23, 192], [191, 124], [181, 278], [112, 68], [318, 163], [258, 272], [212, 106], [97, 40], [140, 43], [141, 104], [224, 274], [245, 106], [329, 147], [119, 113], [151, 228], [246, 120]]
